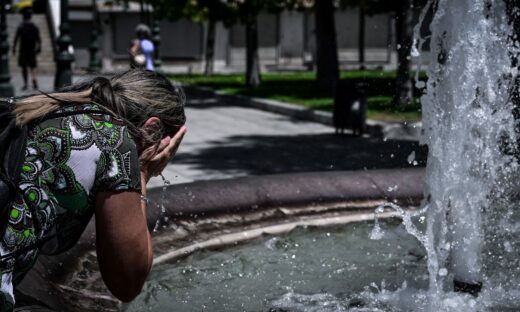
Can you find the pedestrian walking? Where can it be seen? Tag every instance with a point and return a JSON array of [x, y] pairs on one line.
[[142, 49], [28, 37]]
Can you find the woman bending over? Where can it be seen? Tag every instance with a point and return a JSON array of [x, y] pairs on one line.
[[90, 150]]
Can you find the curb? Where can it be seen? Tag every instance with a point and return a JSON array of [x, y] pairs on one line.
[[287, 190], [387, 130]]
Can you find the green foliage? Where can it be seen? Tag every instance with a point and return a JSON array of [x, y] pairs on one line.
[[232, 11], [372, 7], [227, 11], [300, 88], [245, 10]]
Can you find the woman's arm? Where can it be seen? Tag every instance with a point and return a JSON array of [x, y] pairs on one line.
[[123, 243]]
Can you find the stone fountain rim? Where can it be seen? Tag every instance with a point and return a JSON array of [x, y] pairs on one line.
[[288, 190]]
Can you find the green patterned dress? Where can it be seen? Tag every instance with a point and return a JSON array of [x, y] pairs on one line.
[[69, 158]]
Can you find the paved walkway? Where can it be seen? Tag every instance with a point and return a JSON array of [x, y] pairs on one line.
[[225, 141], [45, 83]]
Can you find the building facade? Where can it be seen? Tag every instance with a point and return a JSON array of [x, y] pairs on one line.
[[286, 40]]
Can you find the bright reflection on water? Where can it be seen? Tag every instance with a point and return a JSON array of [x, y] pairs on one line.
[[309, 269]]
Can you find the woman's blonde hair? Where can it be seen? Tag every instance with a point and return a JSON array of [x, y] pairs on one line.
[[133, 96]]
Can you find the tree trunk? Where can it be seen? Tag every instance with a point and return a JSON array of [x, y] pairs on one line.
[[252, 61], [326, 47], [514, 18], [404, 32], [141, 11], [210, 47], [361, 38]]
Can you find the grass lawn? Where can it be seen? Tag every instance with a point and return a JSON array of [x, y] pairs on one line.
[[300, 88]]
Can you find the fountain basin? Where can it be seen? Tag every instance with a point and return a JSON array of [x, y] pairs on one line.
[[310, 268], [198, 212]]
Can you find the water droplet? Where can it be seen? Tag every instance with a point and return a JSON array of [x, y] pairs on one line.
[[411, 157], [162, 215], [508, 247], [393, 188], [420, 84]]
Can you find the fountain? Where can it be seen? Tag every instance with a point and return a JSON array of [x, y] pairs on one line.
[[471, 226], [464, 237], [468, 127]]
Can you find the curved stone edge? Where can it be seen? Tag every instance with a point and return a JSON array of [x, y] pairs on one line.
[[276, 229], [236, 195], [288, 190]]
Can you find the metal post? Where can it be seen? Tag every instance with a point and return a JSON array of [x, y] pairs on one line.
[[156, 38], [94, 65], [6, 88], [64, 58]]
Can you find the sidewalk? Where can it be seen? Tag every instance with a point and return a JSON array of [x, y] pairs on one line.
[[227, 141], [45, 83]]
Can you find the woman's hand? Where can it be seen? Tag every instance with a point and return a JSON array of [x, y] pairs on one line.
[[154, 159]]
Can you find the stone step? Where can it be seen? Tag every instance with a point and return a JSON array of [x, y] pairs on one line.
[[46, 57]]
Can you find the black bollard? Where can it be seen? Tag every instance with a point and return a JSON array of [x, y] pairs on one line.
[[94, 65], [63, 58]]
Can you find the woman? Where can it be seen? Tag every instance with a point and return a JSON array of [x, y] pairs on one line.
[[91, 149], [142, 49]]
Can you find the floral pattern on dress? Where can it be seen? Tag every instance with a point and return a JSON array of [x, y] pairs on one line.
[[68, 160]]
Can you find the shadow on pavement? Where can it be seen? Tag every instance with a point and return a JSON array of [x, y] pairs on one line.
[[263, 154]]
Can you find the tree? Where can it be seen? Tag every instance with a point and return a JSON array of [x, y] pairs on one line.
[[404, 20], [361, 36], [247, 12], [327, 73], [327, 65], [229, 12], [513, 12], [404, 36], [213, 11]]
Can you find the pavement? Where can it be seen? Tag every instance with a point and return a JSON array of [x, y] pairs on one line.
[[45, 83], [227, 141]]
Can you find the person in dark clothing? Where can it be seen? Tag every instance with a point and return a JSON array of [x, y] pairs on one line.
[[28, 35]]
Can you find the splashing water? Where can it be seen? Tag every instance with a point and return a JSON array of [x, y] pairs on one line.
[[467, 118], [468, 125], [163, 218]]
